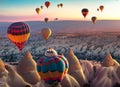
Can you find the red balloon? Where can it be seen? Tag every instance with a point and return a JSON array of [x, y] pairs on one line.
[[85, 12], [47, 4]]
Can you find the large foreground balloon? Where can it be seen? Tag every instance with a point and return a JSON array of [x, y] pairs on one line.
[[47, 4], [85, 12], [18, 33], [94, 19], [53, 67], [101, 8], [38, 10]]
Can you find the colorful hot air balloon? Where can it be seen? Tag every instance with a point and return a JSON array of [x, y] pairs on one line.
[[46, 20], [53, 67], [61, 4], [94, 19], [18, 33], [101, 8], [46, 33], [38, 10], [41, 7], [85, 12], [47, 4]]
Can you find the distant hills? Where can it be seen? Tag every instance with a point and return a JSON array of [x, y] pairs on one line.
[[69, 26]]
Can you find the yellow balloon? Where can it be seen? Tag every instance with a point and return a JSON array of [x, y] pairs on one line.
[[38, 10], [46, 33]]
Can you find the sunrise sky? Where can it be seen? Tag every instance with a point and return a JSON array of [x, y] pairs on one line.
[[24, 10]]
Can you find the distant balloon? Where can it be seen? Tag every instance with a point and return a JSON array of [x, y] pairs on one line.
[[46, 33], [101, 8], [38, 10], [18, 33], [97, 9], [61, 4], [46, 20], [56, 19], [94, 19], [47, 4], [41, 7], [58, 5], [85, 12]]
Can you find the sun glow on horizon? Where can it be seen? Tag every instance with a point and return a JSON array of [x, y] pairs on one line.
[[16, 11]]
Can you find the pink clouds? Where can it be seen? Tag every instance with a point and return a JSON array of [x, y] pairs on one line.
[[21, 18]]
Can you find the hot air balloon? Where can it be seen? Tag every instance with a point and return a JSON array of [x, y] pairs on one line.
[[56, 19], [18, 33], [85, 12], [41, 7], [58, 5], [46, 20], [94, 19], [47, 4], [97, 9], [53, 67], [61, 4], [38, 10], [46, 33], [101, 8]]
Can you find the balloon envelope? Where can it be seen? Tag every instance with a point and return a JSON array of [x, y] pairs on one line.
[[56, 19], [38, 10], [85, 12], [101, 8], [94, 19], [58, 5], [97, 9], [46, 33], [18, 33], [47, 4], [52, 69], [61, 4], [41, 7], [46, 20]]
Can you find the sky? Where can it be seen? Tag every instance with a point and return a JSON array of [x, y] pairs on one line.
[[24, 10]]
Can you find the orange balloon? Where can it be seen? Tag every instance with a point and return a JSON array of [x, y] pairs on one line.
[[18, 33], [38, 10], [101, 8]]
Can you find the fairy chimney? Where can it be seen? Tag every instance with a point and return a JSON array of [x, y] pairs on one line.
[[75, 68], [27, 69]]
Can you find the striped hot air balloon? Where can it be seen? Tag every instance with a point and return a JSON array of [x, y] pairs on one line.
[[18, 33], [53, 67]]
